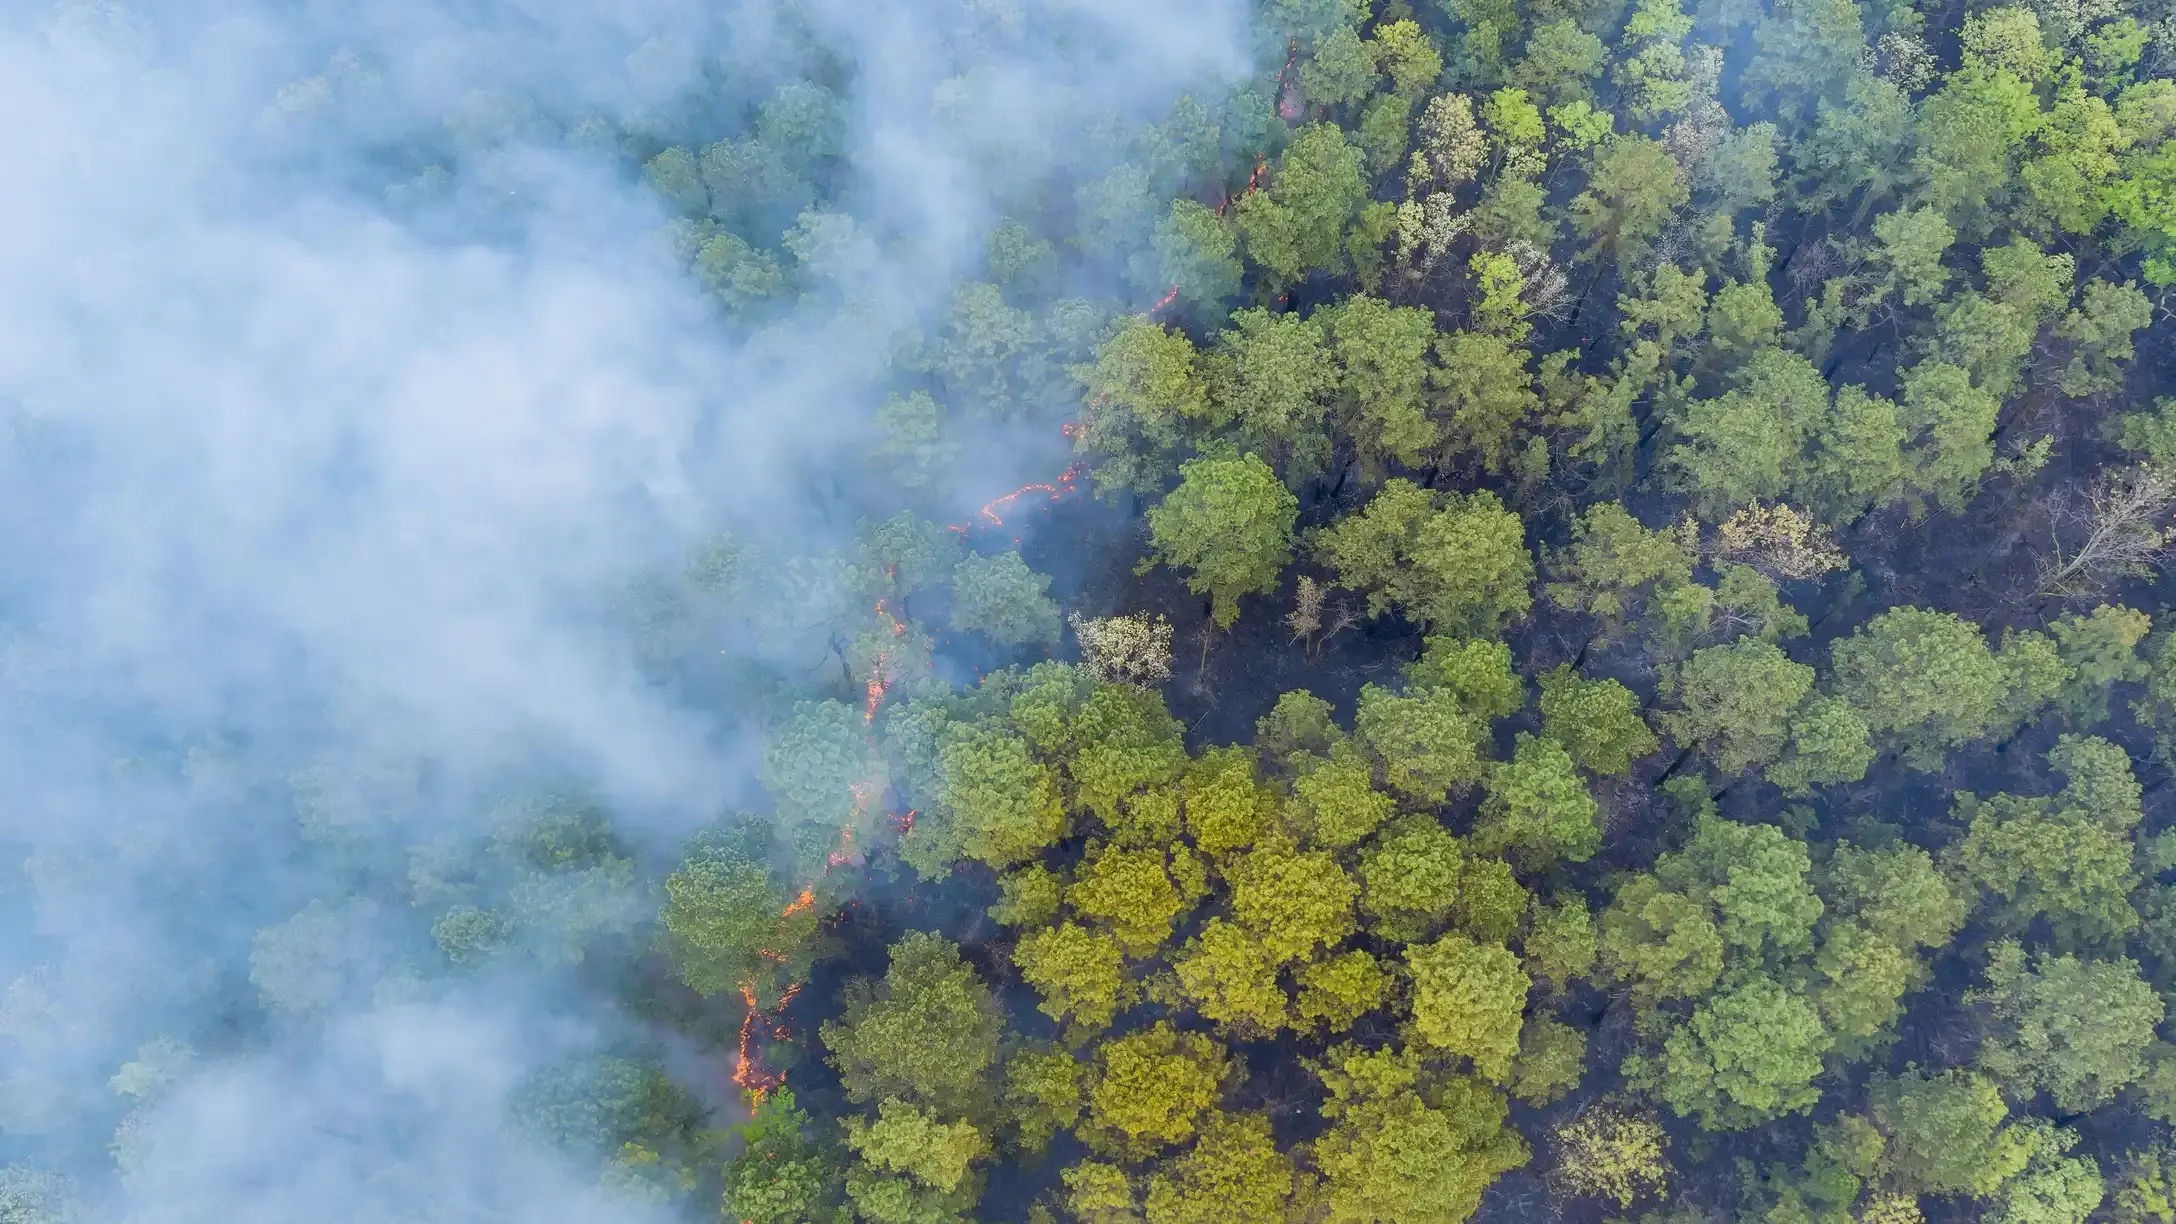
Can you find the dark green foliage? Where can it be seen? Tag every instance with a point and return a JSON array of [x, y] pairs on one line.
[[1455, 563], [590, 1106], [1926, 682], [1597, 721], [1002, 599], [779, 1176], [1229, 525], [926, 1033]]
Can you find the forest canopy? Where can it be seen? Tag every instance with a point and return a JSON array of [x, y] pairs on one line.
[[1603, 643]]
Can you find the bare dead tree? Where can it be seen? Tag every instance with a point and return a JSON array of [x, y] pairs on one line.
[[2123, 517], [1132, 649], [1305, 618], [1778, 541]]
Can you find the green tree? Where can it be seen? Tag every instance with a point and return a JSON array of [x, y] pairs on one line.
[[1926, 682], [1002, 599], [1409, 878], [1229, 525], [1946, 1132], [1491, 903], [1468, 999], [1233, 1173], [1657, 943], [1275, 376], [1736, 702], [1404, 1146], [1633, 186], [1382, 355], [1560, 65], [1042, 1095], [1485, 388], [1231, 979], [1614, 568], [1477, 672], [1456, 563], [910, 1141], [1002, 806], [1295, 902], [2067, 857], [1559, 943], [1760, 440], [1337, 990], [816, 764], [1409, 57], [926, 1034], [1300, 220], [1151, 1089], [728, 924], [1552, 1060], [1225, 806], [1145, 392], [1124, 742], [2054, 1188], [1134, 893], [1749, 1054], [1538, 809], [1895, 892], [910, 551], [674, 175], [1597, 721], [914, 445], [1971, 133], [1080, 974], [1829, 743], [1196, 252], [2101, 650], [779, 1176], [1426, 741], [1337, 802], [2078, 1030]]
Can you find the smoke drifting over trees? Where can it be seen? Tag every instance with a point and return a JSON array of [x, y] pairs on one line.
[[1308, 612]]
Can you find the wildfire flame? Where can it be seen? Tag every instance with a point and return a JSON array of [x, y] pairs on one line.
[[993, 511], [1170, 296], [1286, 108], [1254, 181], [749, 1078], [880, 671]]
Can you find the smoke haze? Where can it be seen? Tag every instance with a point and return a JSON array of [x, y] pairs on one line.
[[346, 380]]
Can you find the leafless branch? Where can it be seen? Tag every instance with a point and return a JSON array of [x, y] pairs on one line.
[[2123, 516]]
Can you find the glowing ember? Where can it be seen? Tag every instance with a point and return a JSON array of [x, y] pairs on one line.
[[1254, 181], [993, 511], [1289, 102], [879, 671], [751, 1079]]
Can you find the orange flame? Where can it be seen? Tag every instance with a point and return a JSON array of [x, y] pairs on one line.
[[1285, 110], [879, 679], [1254, 181], [801, 904], [1169, 297], [746, 1075]]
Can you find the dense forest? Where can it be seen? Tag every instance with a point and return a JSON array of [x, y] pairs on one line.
[[1590, 646]]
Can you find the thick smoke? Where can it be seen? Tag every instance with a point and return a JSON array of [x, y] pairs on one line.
[[344, 383]]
